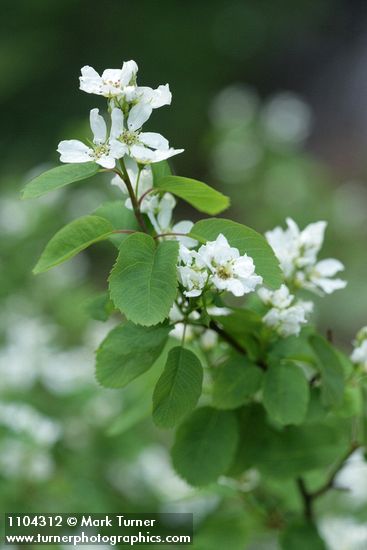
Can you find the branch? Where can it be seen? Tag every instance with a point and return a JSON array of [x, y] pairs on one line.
[[329, 484], [308, 497]]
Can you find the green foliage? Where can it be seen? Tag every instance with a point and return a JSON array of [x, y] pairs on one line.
[[223, 529], [119, 217], [72, 239], [205, 445], [127, 352], [247, 241], [301, 536], [143, 280], [198, 194], [99, 307], [160, 170], [286, 393], [235, 381], [331, 369], [59, 177], [178, 389], [288, 452]]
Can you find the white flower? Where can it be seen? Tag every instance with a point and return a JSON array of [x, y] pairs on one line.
[[112, 83], [318, 278], [191, 272], [359, 355], [297, 253], [121, 84], [287, 314], [101, 152], [127, 139], [228, 269]]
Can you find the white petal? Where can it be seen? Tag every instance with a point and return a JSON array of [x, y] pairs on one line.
[[142, 154], [90, 81], [117, 123], [157, 156], [138, 115], [166, 207], [98, 127], [161, 96], [106, 161], [118, 149], [153, 140], [128, 72], [329, 285], [329, 267], [184, 226], [236, 287], [73, 150], [118, 182]]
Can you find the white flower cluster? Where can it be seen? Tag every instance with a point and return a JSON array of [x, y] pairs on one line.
[[359, 355], [130, 106], [286, 314], [216, 265], [297, 253]]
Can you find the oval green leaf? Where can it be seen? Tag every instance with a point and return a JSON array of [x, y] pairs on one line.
[[205, 445], [247, 241], [178, 389], [72, 239], [200, 195], [59, 177], [143, 281], [127, 352], [286, 393], [235, 381]]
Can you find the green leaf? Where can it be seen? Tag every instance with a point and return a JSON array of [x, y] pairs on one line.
[[99, 307], [143, 282], [72, 239], [331, 369], [247, 241], [286, 393], [224, 529], [127, 352], [235, 381], [291, 451], [198, 194], [59, 177], [301, 536], [178, 389], [205, 445], [120, 217], [160, 170]]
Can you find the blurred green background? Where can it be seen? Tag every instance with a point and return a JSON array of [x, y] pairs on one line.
[[269, 104]]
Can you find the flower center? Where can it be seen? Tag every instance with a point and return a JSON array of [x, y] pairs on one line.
[[224, 271], [129, 138], [113, 83], [100, 150]]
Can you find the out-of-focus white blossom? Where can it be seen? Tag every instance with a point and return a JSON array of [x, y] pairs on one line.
[[297, 253], [286, 314], [102, 152], [359, 354]]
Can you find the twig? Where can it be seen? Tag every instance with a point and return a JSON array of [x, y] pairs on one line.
[[144, 195], [307, 499], [329, 484], [171, 234], [133, 198]]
